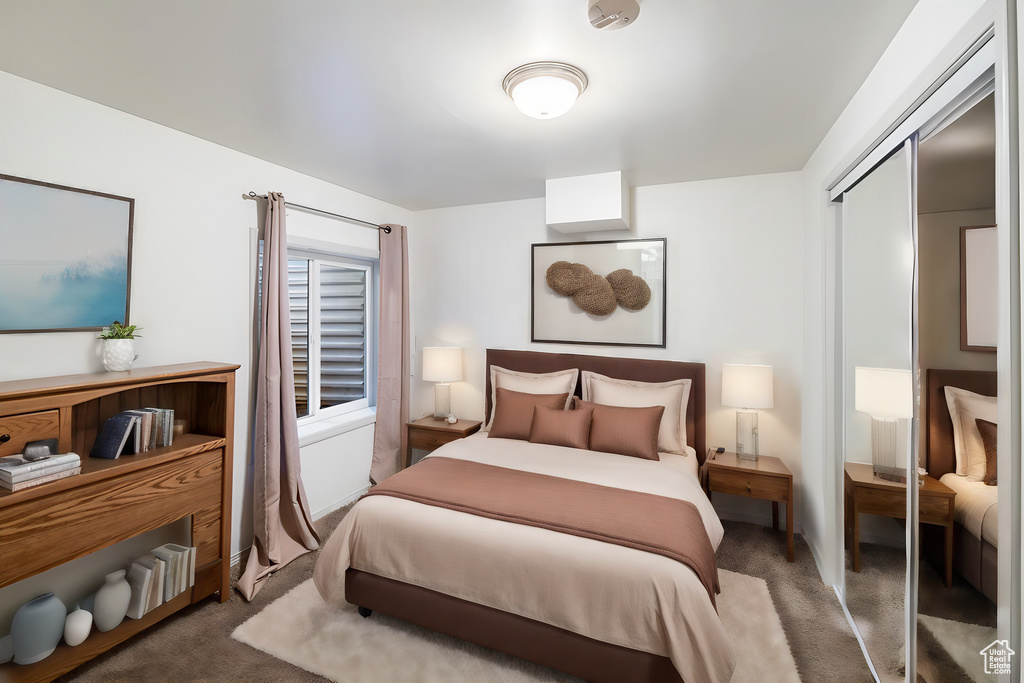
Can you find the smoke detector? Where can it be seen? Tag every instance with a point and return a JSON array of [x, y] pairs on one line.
[[609, 15]]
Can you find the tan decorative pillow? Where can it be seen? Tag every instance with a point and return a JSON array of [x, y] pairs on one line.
[[673, 395], [531, 383], [989, 432], [562, 427], [624, 430], [513, 414]]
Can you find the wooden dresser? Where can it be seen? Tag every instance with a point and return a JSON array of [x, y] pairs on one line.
[[113, 500]]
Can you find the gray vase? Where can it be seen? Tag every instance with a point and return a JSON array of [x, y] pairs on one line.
[[112, 601], [37, 628]]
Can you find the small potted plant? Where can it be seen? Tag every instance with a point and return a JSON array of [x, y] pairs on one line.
[[118, 351]]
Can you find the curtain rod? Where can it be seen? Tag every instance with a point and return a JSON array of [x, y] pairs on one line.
[[385, 228]]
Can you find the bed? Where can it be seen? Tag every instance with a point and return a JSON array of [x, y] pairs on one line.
[[975, 539], [598, 610]]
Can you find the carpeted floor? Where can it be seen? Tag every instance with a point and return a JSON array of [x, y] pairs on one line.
[[195, 644], [953, 625]]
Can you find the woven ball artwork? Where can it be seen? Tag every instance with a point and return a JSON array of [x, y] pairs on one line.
[[595, 294]]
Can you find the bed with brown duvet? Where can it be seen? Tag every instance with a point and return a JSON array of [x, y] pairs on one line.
[[523, 539]]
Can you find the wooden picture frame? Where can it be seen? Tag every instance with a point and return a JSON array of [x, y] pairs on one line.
[[979, 288], [66, 258], [558, 319]]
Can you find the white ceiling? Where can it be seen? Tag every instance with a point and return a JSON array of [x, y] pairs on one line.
[[402, 100]]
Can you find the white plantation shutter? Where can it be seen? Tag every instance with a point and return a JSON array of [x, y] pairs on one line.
[[342, 335], [330, 339]]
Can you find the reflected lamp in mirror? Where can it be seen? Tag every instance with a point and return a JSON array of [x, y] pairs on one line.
[[443, 365], [747, 387], [887, 396]]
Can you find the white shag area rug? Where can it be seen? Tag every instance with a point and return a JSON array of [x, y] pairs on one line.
[[963, 642], [301, 629]]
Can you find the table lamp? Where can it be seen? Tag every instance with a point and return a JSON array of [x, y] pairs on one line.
[[442, 364], [887, 395], [747, 387]]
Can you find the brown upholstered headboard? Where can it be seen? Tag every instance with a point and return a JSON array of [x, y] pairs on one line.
[[641, 369], [940, 456]]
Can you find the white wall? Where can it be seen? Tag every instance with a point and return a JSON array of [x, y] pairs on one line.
[[191, 281], [932, 38], [734, 294]]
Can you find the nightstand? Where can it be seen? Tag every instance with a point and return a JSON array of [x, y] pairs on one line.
[[428, 434], [867, 494], [765, 479]]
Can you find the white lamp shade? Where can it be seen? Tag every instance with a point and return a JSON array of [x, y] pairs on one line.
[[883, 392], [442, 364], [747, 386]]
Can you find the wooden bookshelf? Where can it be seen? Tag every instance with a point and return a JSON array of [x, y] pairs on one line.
[[113, 500]]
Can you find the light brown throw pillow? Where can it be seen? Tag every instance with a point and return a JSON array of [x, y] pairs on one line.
[[561, 427], [513, 412], [989, 432], [626, 431]]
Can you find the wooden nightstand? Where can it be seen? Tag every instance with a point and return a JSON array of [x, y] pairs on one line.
[[427, 434], [864, 493], [765, 478]]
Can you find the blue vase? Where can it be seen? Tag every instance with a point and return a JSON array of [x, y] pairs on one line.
[[37, 628]]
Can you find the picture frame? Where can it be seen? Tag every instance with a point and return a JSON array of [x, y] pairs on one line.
[[557, 318], [66, 257], [979, 288]]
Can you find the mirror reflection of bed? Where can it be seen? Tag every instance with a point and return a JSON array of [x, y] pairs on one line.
[[966, 609]]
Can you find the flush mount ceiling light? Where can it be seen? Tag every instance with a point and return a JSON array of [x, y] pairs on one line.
[[609, 15], [544, 90]]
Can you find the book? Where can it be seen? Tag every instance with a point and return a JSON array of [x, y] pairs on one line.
[[187, 557], [147, 418], [16, 464], [113, 436], [25, 476], [139, 577], [165, 426], [155, 597], [171, 568], [28, 483]]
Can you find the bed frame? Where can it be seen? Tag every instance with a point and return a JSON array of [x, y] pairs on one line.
[[538, 642], [973, 558]]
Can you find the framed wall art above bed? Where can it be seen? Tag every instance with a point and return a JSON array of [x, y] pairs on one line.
[[609, 293], [65, 257]]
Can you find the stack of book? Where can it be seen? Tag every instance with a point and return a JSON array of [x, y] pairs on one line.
[[134, 431], [159, 576], [17, 473]]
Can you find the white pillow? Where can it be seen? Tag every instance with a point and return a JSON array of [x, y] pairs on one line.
[[558, 382], [674, 395], [964, 408]]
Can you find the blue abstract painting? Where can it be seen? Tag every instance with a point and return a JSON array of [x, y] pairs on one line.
[[65, 257]]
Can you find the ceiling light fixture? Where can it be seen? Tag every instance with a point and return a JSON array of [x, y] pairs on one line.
[[544, 90], [609, 15]]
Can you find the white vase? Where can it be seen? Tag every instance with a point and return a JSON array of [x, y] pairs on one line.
[[77, 627], [37, 628], [118, 354], [112, 601]]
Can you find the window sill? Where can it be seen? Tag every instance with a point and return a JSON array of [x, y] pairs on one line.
[[320, 430]]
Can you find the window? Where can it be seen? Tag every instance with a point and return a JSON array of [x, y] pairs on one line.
[[333, 319]]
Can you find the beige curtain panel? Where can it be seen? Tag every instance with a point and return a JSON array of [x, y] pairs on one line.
[[282, 526], [389, 437]]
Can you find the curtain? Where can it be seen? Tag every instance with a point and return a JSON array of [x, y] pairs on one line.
[[389, 437], [282, 526]]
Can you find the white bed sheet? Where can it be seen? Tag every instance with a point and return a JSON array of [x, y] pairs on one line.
[[976, 506], [604, 591]]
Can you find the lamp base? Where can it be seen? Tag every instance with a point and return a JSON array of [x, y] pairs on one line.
[[885, 449], [746, 434], [442, 400]]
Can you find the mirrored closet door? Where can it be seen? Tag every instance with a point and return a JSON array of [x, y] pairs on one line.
[[878, 259]]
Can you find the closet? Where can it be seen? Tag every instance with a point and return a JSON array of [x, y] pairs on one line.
[[895, 306]]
